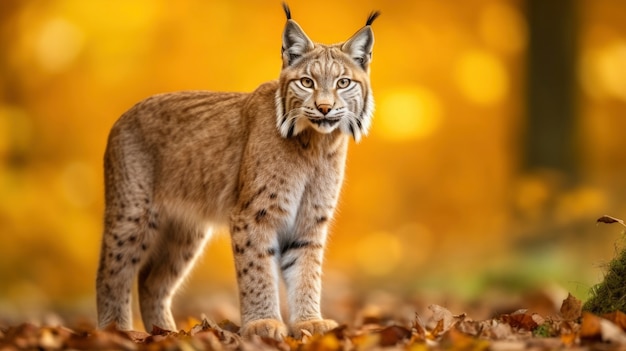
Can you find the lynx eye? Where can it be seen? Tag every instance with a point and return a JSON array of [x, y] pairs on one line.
[[306, 82], [343, 83]]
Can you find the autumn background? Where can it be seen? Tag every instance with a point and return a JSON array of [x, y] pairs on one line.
[[498, 139]]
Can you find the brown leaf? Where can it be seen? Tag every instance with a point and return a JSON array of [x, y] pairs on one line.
[[136, 336], [392, 335], [159, 331], [457, 340], [590, 327], [419, 328], [520, 319], [609, 220], [228, 325], [441, 314], [617, 317], [340, 331], [325, 342], [100, 340], [438, 330], [568, 339], [571, 308]]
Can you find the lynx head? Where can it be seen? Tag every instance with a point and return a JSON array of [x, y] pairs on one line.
[[325, 87]]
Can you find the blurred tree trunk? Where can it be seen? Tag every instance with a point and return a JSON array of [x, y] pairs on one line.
[[551, 87]]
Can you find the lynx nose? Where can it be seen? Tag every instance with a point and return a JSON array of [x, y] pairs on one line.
[[324, 108]]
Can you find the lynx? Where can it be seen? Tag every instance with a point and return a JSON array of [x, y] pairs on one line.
[[267, 164]]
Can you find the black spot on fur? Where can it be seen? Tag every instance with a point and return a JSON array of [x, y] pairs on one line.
[[321, 219], [293, 245], [248, 243], [118, 257], [246, 205], [288, 265], [261, 190], [273, 196], [291, 130], [260, 215]]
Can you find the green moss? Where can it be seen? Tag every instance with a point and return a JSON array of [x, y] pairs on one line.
[[543, 331], [610, 295]]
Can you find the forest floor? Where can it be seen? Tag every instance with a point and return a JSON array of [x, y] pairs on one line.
[[543, 326]]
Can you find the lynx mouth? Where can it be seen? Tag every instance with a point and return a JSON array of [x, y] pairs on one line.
[[324, 122]]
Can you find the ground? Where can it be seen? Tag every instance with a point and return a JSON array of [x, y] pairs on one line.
[[436, 328]]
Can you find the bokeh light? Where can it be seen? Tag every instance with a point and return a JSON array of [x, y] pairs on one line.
[[481, 77], [408, 113]]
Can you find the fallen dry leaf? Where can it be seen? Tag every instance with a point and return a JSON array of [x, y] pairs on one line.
[[609, 220], [393, 335], [520, 319], [590, 328], [571, 308], [443, 331], [617, 317]]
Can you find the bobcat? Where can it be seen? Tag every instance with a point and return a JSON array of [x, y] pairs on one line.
[[269, 164]]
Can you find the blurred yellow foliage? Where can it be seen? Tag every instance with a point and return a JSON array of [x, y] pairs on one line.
[[437, 193]]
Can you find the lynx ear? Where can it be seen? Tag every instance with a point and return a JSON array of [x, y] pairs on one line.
[[295, 41], [359, 46]]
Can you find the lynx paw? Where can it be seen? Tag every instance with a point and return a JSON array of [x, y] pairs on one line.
[[315, 326], [268, 328]]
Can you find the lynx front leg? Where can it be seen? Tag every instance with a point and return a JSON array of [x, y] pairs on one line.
[[257, 277], [301, 264]]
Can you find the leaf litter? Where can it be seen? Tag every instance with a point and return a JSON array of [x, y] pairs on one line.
[[573, 326], [568, 328]]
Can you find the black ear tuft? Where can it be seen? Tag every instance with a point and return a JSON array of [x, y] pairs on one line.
[[370, 19], [288, 11]]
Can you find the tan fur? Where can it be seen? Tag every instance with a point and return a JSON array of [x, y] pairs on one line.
[[268, 164]]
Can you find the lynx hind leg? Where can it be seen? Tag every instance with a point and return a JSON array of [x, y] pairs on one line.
[[129, 228], [128, 232], [177, 248]]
